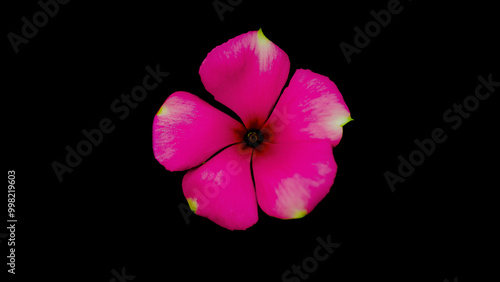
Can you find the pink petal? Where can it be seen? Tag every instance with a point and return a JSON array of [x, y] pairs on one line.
[[187, 131], [311, 107], [292, 178], [222, 189], [246, 74]]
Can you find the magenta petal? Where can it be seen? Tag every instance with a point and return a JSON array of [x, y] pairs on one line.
[[246, 74], [187, 131], [292, 178], [222, 189], [311, 107]]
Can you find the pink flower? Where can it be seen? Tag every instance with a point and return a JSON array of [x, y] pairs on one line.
[[280, 159]]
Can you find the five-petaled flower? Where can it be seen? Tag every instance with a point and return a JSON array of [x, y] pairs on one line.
[[279, 158]]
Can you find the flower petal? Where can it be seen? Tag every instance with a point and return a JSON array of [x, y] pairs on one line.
[[311, 107], [246, 74], [222, 189], [291, 179], [187, 131]]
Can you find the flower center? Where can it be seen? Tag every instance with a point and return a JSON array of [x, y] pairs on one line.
[[253, 138]]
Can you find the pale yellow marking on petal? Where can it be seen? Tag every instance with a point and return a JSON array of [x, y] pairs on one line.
[[173, 112], [265, 51], [299, 214], [344, 120], [193, 205], [163, 111], [293, 194], [325, 116], [262, 38]]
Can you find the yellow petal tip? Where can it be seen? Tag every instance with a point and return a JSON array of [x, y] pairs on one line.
[[261, 37], [193, 205], [299, 214], [345, 120], [162, 111]]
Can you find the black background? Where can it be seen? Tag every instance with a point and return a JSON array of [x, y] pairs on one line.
[[120, 207]]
